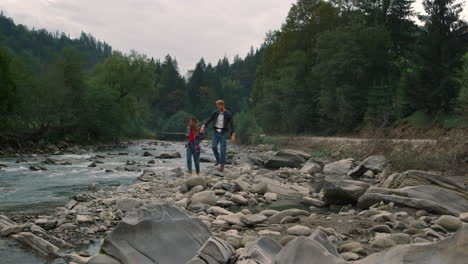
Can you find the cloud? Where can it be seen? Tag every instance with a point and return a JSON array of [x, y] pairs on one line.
[[186, 29]]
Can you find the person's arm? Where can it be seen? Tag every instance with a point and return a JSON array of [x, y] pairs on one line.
[[207, 123]]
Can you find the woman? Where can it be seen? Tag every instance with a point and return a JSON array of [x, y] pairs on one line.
[[194, 136]]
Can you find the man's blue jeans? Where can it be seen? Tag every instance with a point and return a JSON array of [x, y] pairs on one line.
[[191, 151], [219, 138]]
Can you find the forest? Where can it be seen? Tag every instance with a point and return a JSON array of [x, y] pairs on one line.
[[333, 67]]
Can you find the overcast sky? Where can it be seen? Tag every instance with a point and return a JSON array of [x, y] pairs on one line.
[[186, 29]]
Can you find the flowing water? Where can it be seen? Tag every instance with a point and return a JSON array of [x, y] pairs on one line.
[[31, 192], [35, 192]]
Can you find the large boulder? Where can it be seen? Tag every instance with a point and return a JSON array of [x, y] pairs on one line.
[[128, 204], [311, 167], [40, 245], [303, 250], [430, 198], [316, 249], [339, 167], [417, 178], [263, 250], [374, 163], [287, 158], [214, 251], [338, 190], [451, 250], [161, 234]]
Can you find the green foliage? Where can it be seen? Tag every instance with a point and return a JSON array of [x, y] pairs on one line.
[[247, 129], [7, 89], [177, 123], [462, 100]]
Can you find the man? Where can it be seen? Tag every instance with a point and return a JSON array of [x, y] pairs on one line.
[[223, 121]]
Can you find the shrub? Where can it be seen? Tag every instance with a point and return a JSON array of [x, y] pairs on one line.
[[177, 123], [247, 129]]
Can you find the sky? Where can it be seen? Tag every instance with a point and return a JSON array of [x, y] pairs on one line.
[[185, 29]]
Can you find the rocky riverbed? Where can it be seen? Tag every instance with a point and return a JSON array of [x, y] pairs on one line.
[[267, 207]]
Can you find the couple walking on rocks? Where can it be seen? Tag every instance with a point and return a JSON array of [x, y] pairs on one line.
[[223, 122]]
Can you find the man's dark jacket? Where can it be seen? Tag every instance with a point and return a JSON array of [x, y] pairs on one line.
[[228, 121]]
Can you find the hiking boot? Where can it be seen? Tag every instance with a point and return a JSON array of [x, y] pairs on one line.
[[216, 163], [188, 174], [221, 168]]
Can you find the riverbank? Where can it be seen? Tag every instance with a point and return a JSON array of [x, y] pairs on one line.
[[264, 193]]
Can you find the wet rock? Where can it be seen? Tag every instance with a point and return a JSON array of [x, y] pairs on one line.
[[313, 202], [83, 197], [147, 176], [147, 154], [95, 187], [450, 250], [161, 234], [451, 223], [37, 168], [339, 167], [169, 155]]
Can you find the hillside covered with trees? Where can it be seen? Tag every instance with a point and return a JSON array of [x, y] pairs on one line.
[[333, 67]]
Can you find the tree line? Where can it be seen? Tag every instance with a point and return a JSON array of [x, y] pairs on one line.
[[333, 67], [336, 66], [53, 87]]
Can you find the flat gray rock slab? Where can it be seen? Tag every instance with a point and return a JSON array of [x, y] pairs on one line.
[[163, 234], [451, 250]]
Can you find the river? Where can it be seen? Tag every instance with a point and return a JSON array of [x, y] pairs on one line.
[[33, 192]]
